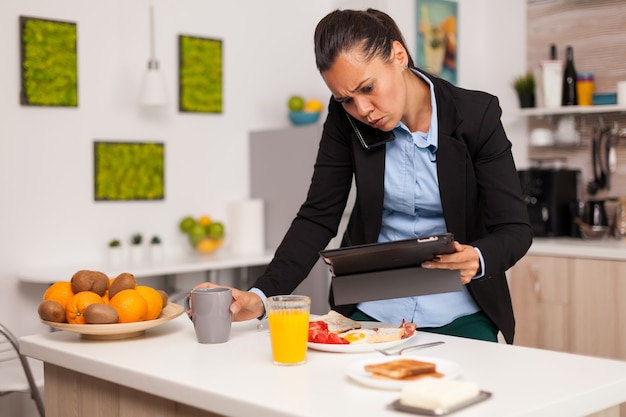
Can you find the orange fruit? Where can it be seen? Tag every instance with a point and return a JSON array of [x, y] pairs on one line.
[[209, 245], [77, 305], [60, 292], [205, 220], [313, 106], [154, 300], [131, 306]]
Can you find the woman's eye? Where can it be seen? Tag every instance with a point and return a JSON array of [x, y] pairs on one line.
[[345, 100], [368, 88]]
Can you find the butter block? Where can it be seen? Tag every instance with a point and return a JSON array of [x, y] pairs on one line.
[[433, 393]]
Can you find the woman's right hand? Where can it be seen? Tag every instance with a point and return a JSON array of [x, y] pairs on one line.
[[245, 306]]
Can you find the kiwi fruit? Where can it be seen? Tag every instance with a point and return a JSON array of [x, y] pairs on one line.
[[164, 296], [50, 310], [86, 280], [100, 314], [123, 281]]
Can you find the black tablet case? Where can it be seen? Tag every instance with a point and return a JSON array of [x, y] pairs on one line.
[[387, 270]]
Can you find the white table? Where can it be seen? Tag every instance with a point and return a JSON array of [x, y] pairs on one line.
[[167, 267], [238, 379]]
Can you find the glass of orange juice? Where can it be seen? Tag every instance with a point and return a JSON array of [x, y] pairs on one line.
[[288, 319]]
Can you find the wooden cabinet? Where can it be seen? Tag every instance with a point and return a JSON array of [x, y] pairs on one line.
[[540, 295], [570, 305], [598, 313]]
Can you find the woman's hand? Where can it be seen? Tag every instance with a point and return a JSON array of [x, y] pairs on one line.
[[245, 306], [464, 259]]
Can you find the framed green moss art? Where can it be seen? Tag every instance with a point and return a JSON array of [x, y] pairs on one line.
[[200, 74], [49, 66], [129, 171]]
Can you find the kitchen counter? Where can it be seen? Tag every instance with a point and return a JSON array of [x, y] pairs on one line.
[[609, 248], [169, 267], [238, 378]]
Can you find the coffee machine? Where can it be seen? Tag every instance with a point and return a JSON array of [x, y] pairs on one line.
[[550, 194]]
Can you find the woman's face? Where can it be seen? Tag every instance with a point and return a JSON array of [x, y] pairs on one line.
[[373, 91]]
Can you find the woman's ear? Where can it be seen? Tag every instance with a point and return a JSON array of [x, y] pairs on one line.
[[400, 56]]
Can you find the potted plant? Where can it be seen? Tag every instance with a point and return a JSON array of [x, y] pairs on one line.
[[115, 252], [156, 249], [136, 250], [524, 85]]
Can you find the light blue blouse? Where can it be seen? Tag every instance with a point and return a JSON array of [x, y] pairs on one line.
[[412, 208]]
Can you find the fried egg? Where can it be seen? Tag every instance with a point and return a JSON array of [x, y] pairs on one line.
[[358, 335]]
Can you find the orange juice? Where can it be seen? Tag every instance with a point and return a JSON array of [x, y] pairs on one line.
[[289, 330]]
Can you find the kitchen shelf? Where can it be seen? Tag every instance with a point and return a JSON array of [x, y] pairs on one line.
[[565, 110]]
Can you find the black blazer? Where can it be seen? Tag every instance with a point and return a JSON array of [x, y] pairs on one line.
[[480, 195]]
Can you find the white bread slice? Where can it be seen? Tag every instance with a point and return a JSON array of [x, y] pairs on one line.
[[435, 393], [338, 323]]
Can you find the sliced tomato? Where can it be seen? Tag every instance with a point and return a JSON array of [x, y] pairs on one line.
[[335, 339], [318, 333], [318, 325], [320, 337]]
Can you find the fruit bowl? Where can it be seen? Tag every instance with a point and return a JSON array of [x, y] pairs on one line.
[[301, 118], [119, 330], [204, 234]]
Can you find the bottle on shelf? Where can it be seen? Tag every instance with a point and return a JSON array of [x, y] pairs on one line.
[[551, 84], [569, 97], [553, 54]]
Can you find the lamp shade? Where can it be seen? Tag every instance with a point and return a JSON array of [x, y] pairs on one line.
[[153, 92]]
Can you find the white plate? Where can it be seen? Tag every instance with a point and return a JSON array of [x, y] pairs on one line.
[[119, 330], [359, 347], [356, 371]]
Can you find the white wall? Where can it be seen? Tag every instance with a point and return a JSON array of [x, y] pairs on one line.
[[48, 216]]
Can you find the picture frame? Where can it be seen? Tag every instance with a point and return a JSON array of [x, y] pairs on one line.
[[437, 38], [48, 62], [125, 171], [200, 74]]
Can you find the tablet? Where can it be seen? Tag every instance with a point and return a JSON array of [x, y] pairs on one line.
[[387, 255]]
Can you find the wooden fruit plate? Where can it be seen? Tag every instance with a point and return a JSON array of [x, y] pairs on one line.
[[119, 330]]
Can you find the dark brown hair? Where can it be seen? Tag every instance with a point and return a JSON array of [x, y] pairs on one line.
[[371, 30]]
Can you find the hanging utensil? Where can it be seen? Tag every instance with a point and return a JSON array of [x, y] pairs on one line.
[[606, 143], [612, 152], [602, 157], [593, 185]]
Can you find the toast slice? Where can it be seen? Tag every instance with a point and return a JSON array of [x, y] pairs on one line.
[[338, 323], [410, 378], [401, 368]]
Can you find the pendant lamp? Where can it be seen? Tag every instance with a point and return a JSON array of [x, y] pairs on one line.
[[153, 88]]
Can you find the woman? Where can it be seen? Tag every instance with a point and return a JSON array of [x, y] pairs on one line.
[[427, 157]]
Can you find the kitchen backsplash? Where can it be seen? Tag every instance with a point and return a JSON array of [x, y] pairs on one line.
[[596, 30]]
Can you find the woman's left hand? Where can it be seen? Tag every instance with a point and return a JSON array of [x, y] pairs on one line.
[[465, 259]]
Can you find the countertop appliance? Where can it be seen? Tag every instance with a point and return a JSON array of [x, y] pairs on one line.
[[550, 194]]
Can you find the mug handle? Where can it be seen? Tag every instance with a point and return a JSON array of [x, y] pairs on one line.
[[187, 305]]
